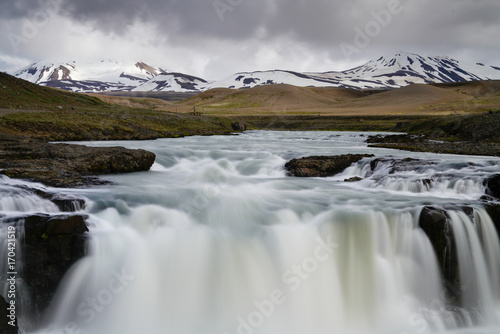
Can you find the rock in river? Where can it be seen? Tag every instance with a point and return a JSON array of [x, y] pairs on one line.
[[322, 166], [67, 165]]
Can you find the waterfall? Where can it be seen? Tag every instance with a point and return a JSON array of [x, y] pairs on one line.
[[216, 239], [343, 270]]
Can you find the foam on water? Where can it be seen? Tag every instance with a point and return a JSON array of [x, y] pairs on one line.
[[217, 239]]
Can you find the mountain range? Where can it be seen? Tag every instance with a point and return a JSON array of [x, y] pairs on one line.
[[394, 71]]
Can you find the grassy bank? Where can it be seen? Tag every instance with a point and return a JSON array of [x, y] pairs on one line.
[[52, 114], [110, 124]]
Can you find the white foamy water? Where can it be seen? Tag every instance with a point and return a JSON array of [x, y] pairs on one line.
[[217, 239]]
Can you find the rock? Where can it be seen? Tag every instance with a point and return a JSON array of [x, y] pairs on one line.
[[493, 186], [68, 203], [494, 213], [322, 166], [354, 179], [65, 202], [5, 327], [51, 245], [394, 139], [399, 165], [435, 223], [66, 165], [425, 144], [239, 126]]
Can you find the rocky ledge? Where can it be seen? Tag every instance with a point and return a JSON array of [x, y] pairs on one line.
[[67, 165], [423, 144], [5, 322], [322, 166], [50, 245]]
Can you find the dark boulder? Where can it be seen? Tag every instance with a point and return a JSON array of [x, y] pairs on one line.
[[239, 126], [5, 327], [322, 166], [494, 213], [436, 225], [51, 245], [65, 165], [493, 186], [353, 179]]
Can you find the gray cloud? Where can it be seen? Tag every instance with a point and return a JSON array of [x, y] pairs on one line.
[[241, 29]]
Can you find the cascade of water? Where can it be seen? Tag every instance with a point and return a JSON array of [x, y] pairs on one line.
[[342, 270], [215, 239], [479, 259]]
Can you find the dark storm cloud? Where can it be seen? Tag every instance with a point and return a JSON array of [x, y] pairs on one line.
[[258, 31], [317, 22]]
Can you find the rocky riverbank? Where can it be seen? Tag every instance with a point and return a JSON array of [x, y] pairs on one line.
[[418, 143], [67, 165]]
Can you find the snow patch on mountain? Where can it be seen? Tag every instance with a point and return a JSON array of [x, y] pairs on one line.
[[390, 71], [394, 71]]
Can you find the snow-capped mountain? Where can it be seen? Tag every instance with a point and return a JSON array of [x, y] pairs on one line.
[[395, 71], [107, 76], [392, 71], [405, 69], [176, 82]]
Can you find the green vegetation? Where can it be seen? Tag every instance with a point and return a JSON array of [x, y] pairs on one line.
[[52, 114], [331, 123], [118, 123], [483, 127], [23, 95]]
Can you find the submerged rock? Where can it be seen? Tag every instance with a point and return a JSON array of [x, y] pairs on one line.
[[353, 179], [399, 165], [65, 202], [322, 166]]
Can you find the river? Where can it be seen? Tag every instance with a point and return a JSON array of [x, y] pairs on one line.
[[217, 239]]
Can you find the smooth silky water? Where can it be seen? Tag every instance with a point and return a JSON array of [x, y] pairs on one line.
[[217, 239]]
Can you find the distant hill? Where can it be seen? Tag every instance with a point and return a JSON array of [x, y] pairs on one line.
[[274, 96], [464, 97]]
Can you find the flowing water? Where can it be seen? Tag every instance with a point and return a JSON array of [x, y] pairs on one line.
[[217, 239]]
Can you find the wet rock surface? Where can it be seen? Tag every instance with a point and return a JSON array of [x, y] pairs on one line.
[[399, 165], [435, 223], [322, 166], [67, 165], [65, 202], [493, 186], [5, 327], [51, 245]]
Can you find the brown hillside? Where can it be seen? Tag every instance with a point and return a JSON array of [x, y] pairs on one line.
[[412, 96], [475, 89], [274, 96]]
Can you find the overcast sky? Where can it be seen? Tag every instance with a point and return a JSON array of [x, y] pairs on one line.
[[216, 38]]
